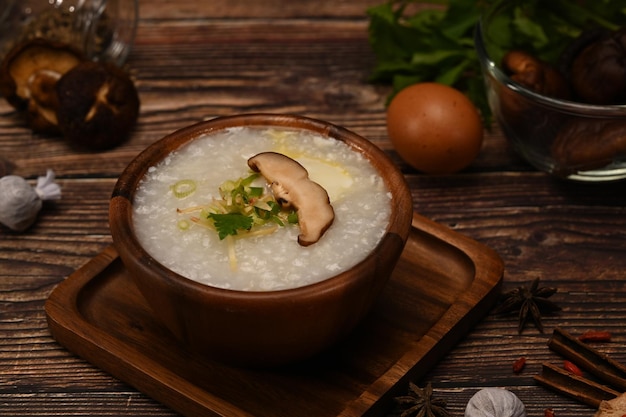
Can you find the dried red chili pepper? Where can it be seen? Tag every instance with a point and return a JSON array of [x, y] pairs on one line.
[[572, 368], [595, 336], [519, 365], [548, 412]]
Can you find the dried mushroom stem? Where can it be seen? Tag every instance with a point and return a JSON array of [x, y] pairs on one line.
[[291, 186], [43, 100]]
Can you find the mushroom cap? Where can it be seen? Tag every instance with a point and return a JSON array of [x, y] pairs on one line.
[[598, 73], [98, 105], [28, 74]]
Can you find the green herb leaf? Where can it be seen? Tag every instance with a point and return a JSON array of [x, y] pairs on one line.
[[255, 191], [292, 218], [230, 223], [429, 45], [435, 44]]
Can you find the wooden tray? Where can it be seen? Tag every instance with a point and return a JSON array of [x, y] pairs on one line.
[[443, 284]]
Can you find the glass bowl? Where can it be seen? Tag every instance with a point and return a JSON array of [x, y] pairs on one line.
[[569, 139], [104, 30]]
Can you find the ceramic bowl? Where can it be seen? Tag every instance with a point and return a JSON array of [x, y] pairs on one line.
[[566, 138], [260, 328]]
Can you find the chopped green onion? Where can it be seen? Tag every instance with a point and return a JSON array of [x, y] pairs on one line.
[[292, 217], [183, 224], [183, 188]]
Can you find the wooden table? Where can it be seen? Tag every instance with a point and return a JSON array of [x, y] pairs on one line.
[[195, 60]]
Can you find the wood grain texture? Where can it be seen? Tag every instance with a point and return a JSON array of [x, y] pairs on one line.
[[195, 60], [443, 284]]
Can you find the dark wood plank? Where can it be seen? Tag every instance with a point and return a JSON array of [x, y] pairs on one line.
[[191, 9], [197, 59], [411, 326]]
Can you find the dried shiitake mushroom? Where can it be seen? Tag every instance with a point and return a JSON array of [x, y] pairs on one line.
[[598, 72], [28, 75], [91, 104], [583, 144], [535, 74], [98, 105]]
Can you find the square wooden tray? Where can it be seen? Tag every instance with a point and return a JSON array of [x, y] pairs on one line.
[[443, 284]]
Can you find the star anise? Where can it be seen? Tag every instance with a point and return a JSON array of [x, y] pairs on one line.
[[530, 302], [420, 403]]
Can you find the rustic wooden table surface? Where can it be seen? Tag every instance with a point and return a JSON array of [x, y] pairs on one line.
[[195, 60]]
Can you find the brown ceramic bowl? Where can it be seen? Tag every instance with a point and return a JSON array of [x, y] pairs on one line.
[[262, 328]]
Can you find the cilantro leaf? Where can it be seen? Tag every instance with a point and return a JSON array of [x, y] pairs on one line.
[[230, 223]]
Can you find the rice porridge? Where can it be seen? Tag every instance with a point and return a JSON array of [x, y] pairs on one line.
[[172, 193]]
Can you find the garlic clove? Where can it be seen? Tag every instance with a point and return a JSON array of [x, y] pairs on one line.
[[19, 203], [495, 402]]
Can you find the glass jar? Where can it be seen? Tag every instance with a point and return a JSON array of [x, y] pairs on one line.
[[103, 30], [569, 139]]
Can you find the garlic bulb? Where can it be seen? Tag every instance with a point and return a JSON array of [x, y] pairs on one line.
[[495, 402], [20, 203], [612, 408]]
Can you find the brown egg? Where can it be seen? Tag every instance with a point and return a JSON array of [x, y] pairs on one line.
[[434, 128]]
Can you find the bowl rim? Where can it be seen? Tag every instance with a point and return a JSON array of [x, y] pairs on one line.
[[569, 106], [120, 211]]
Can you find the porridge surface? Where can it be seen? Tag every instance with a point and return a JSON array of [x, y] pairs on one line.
[[276, 261]]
